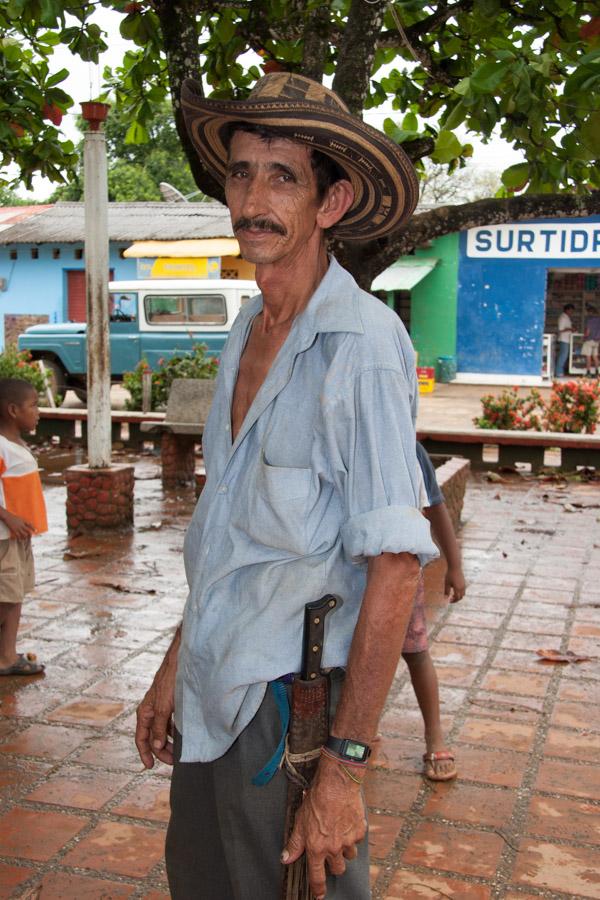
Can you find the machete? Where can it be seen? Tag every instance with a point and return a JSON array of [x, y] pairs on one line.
[[309, 730]]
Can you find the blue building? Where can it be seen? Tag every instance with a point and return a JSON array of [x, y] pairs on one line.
[[42, 264], [513, 281]]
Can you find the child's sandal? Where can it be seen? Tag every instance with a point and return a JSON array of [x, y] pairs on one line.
[[25, 665], [432, 771]]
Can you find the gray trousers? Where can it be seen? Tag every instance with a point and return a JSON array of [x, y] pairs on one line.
[[225, 835]]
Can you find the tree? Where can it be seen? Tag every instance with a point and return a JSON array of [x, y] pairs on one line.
[[136, 170], [438, 186], [9, 198], [534, 77]]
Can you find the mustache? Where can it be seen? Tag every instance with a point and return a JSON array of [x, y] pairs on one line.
[[259, 222]]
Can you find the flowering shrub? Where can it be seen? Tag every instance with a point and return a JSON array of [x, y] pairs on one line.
[[18, 364], [511, 412], [189, 365], [573, 407]]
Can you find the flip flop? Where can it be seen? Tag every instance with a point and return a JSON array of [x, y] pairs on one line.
[[25, 665], [431, 760]]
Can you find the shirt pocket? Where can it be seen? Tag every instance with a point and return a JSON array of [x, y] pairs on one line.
[[280, 507]]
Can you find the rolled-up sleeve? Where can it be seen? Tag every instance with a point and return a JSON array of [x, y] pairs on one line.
[[380, 476]]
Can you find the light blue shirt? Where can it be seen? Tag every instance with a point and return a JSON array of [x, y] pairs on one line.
[[322, 475]]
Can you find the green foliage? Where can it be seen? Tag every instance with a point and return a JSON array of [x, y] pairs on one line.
[[511, 412], [195, 364], [9, 198], [534, 77], [572, 408], [18, 364], [136, 170]]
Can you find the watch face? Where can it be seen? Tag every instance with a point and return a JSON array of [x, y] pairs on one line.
[[354, 750]]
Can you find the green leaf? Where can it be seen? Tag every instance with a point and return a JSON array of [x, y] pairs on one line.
[[136, 134], [590, 133], [410, 122], [516, 176], [487, 78], [57, 77], [447, 147], [457, 115]]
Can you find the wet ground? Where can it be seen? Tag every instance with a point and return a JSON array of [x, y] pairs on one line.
[[79, 819]]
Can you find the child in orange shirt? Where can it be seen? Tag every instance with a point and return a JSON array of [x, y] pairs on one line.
[[22, 514]]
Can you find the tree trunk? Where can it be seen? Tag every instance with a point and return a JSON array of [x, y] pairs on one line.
[[179, 28]]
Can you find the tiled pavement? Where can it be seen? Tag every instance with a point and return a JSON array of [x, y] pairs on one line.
[[78, 818]]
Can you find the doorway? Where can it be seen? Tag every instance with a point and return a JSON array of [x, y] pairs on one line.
[[581, 287]]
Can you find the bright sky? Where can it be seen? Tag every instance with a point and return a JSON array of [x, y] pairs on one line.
[[85, 81]]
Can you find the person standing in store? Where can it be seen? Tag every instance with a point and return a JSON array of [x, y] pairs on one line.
[[565, 330]]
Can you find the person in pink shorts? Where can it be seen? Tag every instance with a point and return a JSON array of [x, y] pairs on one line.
[[439, 761]]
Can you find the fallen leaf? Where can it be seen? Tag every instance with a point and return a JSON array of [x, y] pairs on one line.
[[80, 554], [497, 497], [568, 507], [557, 656], [495, 478], [122, 588]]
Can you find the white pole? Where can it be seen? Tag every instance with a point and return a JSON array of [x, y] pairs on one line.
[[96, 286]]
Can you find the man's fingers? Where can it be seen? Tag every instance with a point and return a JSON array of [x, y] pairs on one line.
[[161, 724], [142, 742], [336, 864], [293, 849], [316, 875]]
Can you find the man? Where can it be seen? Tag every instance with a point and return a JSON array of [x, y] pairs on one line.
[[565, 330], [312, 488], [591, 340]]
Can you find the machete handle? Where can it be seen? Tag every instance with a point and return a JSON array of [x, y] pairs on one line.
[[314, 633]]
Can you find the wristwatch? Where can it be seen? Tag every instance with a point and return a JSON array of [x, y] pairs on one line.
[[349, 750]]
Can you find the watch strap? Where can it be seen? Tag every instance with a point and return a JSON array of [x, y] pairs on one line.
[[346, 749]]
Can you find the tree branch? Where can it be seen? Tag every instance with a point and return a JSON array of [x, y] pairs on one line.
[[366, 261], [180, 38], [357, 51]]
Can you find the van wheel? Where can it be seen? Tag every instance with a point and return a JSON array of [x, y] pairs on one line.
[[81, 394], [56, 379]]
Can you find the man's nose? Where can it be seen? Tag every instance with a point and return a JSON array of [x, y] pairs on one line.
[[254, 198]]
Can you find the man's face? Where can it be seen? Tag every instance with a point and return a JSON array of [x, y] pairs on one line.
[[271, 192]]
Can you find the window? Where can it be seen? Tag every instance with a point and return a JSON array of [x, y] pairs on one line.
[[194, 309], [78, 253], [35, 253], [123, 307]]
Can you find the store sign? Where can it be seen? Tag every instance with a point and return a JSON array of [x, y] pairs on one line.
[[179, 267], [572, 240]]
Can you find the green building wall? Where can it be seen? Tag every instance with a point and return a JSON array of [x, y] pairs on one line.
[[434, 303]]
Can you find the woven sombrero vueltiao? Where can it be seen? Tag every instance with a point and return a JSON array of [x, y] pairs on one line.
[[383, 177]]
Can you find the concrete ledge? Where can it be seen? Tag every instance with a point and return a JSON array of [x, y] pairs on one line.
[[513, 446], [452, 478]]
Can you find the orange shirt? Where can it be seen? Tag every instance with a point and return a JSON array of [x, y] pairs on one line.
[[21, 487]]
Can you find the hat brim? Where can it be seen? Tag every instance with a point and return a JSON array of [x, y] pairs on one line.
[[385, 185]]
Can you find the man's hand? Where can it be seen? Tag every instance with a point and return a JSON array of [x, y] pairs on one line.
[[454, 584], [329, 824], [18, 527], [154, 731]]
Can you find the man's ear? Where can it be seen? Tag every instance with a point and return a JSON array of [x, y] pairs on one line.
[[335, 204]]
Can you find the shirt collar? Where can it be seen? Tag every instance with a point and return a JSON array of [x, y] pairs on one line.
[[332, 307]]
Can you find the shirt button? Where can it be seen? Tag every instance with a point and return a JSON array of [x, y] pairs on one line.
[[227, 428], [223, 489]]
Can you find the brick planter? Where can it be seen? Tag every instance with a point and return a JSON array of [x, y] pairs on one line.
[[99, 498], [452, 478], [178, 458]]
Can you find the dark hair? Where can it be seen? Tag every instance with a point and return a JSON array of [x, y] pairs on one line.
[[326, 170], [568, 306], [14, 390]]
